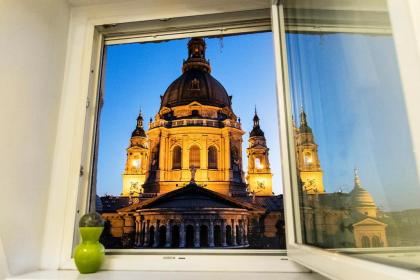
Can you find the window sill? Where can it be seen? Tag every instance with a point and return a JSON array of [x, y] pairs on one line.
[[104, 275]]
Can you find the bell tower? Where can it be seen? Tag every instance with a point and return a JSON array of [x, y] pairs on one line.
[[259, 176], [307, 159], [134, 174]]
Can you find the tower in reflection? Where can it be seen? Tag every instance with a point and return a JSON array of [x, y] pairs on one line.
[[307, 161], [333, 220]]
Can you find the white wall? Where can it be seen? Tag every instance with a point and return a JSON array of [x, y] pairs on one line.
[[32, 52]]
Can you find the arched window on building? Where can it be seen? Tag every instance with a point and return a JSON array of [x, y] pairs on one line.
[[176, 157], [376, 242], [212, 157], [258, 164], [307, 158], [365, 242], [195, 156]]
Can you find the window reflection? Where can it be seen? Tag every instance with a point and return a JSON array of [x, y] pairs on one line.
[[357, 177]]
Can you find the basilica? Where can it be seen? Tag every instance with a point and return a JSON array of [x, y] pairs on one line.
[[183, 185]]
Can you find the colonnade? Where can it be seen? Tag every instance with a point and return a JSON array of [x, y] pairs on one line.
[[191, 233]]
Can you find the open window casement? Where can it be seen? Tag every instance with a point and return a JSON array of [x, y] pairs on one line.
[[365, 230]]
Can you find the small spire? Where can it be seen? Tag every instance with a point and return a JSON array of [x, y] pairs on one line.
[[304, 127], [256, 118], [256, 130], [139, 131], [140, 120], [303, 120], [357, 183]]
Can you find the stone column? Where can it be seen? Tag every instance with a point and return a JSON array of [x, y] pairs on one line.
[[241, 232], [211, 234], [162, 151], [223, 230], [138, 230], [146, 233], [234, 233], [168, 234], [182, 235], [141, 235], [226, 146], [197, 235], [156, 243], [246, 231]]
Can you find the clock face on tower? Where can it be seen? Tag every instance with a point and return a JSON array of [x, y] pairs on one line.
[[310, 185], [261, 185]]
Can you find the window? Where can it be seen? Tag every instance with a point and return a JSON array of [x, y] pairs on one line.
[[376, 242], [258, 163], [176, 157], [292, 26], [307, 158], [365, 242], [186, 115], [343, 87], [212, 157], [195, 156]]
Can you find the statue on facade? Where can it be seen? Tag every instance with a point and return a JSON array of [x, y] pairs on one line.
[[193, 170]]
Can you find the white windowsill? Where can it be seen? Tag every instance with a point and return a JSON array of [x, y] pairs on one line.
[[104, 275]]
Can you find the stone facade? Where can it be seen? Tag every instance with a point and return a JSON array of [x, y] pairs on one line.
[[184, 183]]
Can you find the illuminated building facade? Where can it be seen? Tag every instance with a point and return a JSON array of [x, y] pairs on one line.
[[184, 183], [333, 220]]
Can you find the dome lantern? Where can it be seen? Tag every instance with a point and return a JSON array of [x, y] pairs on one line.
[[196, 56]]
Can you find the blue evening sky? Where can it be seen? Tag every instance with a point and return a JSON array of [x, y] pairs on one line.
[[350, 88], [348, 84], [137, 74]]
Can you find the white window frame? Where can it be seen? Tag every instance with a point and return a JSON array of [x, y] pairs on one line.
[[82, 74], [328, 262], [77, 130]]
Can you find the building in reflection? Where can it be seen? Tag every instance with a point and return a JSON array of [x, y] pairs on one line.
[[184, 184], [333, 220]]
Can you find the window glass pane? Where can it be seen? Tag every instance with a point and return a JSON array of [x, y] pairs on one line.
[[357, 178], [187, 182], [176, 157], [212, 158], [195, 156]]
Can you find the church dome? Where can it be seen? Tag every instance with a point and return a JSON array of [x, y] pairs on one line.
[[359, 196], [196, 83]]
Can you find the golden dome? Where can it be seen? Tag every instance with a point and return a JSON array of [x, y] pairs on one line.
[[359, 196]]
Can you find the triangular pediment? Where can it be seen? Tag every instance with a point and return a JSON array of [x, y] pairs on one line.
[[191, 197], [369, 222], [194, 103]]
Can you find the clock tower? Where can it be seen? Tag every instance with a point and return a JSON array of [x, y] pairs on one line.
[[307, 158], [259, 176], [136, 164]]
